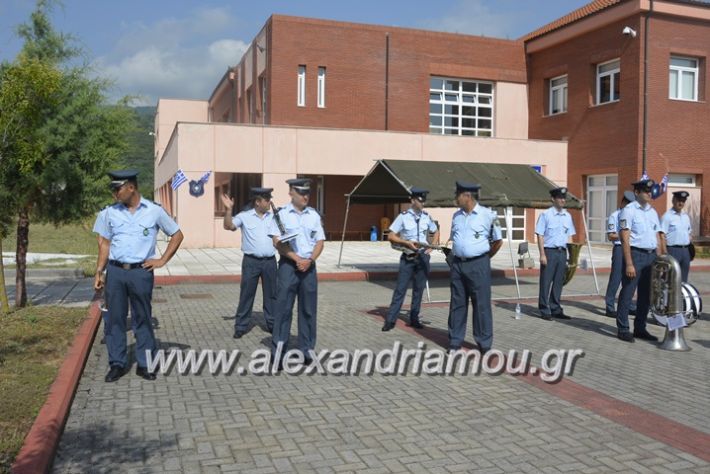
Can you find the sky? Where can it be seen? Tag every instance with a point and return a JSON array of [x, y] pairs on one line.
[[181, 48]]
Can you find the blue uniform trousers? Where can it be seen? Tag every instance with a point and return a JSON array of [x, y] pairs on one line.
[[643, 264], [615, 275], [254, 268], [551, 277], [683, 256], [292, 283], [416, 269], [122, 286], [471, 280]]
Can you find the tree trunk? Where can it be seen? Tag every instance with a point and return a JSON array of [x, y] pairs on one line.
[[4, 304], [23, 237]]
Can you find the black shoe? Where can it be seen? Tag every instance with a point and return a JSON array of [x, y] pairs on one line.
[[626, 336], [645, 335], [483, 351], [307, 361], [115, 373], [388, 326], [143, 372], [270, 329], [610, 314], [561, 316], [546, 317], [416, 324], [238, 334], [632, 312], [155, 322]]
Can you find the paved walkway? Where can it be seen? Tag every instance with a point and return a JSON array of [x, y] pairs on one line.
[[627, 407]]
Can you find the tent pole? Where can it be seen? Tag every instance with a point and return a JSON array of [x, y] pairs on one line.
[[589, 248], [345, 225], [428, 295], [508, 225]]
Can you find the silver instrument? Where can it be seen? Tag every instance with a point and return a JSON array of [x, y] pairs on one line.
[[671, 298], [421, 248]]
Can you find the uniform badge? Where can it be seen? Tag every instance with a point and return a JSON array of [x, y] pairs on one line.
[[477, 235], [610, 227], [622, 223], [313, 234], [197, 188], [146, 231]]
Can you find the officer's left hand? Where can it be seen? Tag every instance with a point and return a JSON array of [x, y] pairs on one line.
[[428, 251], [304, 264], [153, 263]]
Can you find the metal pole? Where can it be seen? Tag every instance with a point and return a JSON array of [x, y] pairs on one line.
[[589, 248], [345, 225], [508, 225]]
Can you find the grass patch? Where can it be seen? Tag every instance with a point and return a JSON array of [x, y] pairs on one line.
[[45, 238], [33, 343]]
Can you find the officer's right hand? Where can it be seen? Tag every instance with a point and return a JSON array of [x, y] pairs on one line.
[[630, 271], [98, 282], [227, 201], [411, 244], [543, 260]]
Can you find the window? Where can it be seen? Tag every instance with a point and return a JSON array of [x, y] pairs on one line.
[[683, 80], [301, 93], [608, 75], [460, 107], [558, 95], [681, 179], [601, 201], [321, 87], [517, 225]]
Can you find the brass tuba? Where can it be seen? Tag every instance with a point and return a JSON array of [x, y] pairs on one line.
[[671, 297], [573, 250]]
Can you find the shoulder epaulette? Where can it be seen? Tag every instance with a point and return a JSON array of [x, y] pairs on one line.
[[157, 203]]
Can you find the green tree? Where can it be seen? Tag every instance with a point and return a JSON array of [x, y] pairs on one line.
[[57, 173]]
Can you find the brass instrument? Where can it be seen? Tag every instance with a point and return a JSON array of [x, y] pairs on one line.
[[670, 297], [282, 230], [573, 250]]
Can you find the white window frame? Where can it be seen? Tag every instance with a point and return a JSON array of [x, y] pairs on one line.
[[681, 70], [677, 179], [562, 89], [518, 214], [301, 86], [597, 224], [460, 98], [321, 87], [612, 82]]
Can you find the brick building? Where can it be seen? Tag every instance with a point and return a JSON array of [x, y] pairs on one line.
[[323, 99]]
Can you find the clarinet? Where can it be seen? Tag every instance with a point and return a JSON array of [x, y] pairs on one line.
[[280, 225]]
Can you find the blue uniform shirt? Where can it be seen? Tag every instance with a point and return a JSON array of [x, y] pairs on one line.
[[255, 233], [472, 233], [642, 223], [133, 236], [555, 227], [612, 225], [307, 225], [412, 226], [676, 227]]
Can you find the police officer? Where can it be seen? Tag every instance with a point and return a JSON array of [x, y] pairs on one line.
[[617, 256], [297, 274], [409, 229], [476, 236], [554, 229], [641, 240], [129, 229], [258, 261], [676, 228]]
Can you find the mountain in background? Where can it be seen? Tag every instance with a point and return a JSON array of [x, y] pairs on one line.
[[140, 153]]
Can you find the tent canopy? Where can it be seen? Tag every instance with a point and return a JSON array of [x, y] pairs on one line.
[[502, 184]]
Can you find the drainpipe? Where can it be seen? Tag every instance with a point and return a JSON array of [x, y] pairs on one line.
[[645, 86], [387, 78]]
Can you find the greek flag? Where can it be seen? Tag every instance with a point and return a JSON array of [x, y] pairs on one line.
[[205, 177], [664, 183], [644, 176], [178, 179]]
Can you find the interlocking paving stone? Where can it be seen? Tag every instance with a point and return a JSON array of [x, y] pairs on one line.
[[205, 423]]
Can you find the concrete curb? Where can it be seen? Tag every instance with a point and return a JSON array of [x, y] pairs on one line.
[[38, 450]]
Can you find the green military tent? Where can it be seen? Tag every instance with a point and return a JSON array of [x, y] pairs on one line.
[[502, 185]]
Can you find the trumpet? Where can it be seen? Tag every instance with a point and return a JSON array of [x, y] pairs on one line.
[[282, 229]]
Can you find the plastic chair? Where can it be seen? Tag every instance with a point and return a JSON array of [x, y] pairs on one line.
[[384, 227]]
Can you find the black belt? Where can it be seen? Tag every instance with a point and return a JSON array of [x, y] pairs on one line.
[[559, 249], [258, 258], [678, 246], [469, 259], [125, 266], [639, 249]]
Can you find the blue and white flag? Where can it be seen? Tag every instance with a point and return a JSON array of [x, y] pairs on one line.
[[178, 179], [644, 176], [205, 177]]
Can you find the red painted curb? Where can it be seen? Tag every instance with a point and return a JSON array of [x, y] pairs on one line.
[[37, 452]]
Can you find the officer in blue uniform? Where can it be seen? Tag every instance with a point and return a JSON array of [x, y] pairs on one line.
[[476, 237], [641, 240], [129, 229], [617, 256], [258, 261], [554, 229], [677, 229], [297, 274], [410, 228]]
